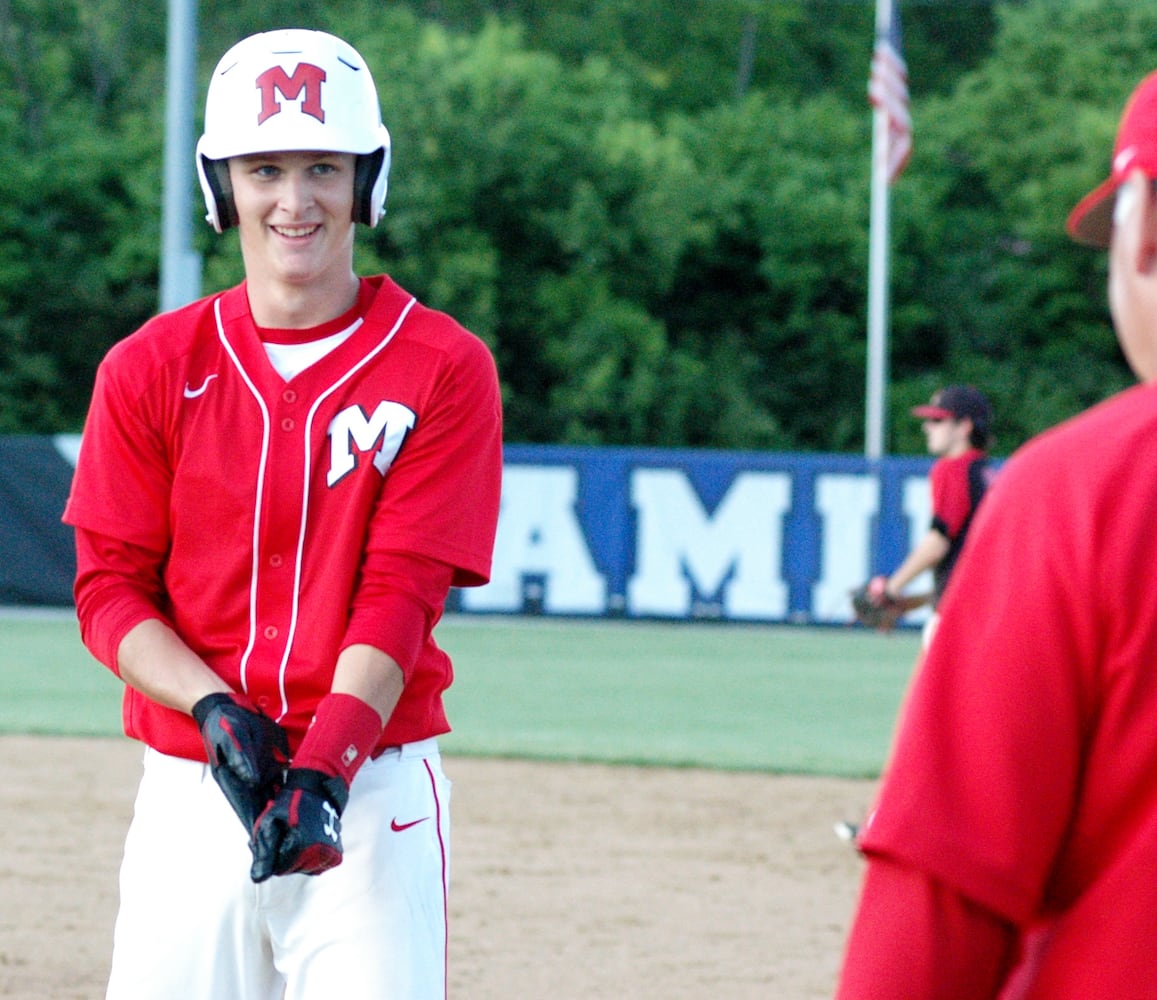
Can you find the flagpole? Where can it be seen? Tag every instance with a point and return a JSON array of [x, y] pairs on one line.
[[878, 246], [180, 262]]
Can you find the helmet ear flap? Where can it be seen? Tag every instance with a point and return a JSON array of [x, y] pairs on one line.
[[217, 175], [366, 171], [220, 209], [371, 180], [371, 171]]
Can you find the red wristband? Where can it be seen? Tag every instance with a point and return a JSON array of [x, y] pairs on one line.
[[343, 734]]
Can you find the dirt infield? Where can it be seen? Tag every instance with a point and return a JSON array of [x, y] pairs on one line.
[[570, 882]]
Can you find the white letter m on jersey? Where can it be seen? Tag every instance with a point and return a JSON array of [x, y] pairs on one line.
[[351, 432]]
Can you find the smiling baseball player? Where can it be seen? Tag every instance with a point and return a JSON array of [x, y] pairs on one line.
[[277, 488]]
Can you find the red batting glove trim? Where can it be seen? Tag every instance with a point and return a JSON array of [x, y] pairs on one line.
[[344, 732]]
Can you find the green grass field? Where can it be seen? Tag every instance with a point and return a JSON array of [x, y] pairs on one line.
[[748, 697]]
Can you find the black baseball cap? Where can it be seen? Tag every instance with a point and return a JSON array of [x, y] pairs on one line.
[[955, 402]]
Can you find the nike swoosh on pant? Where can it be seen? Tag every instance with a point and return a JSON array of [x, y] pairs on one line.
[[399, 827]]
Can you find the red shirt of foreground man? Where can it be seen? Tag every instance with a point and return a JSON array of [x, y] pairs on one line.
[[1013, 848]]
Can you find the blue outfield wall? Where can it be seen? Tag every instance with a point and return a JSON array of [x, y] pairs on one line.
[[589, 531], [37, 560], [689, 534]]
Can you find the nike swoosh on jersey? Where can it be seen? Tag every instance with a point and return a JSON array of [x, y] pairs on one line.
[[191, 393], [399, 827]]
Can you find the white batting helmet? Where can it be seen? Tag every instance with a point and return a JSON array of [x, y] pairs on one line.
[[287, 90]]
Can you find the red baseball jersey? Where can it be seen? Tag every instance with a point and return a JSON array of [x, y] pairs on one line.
[[270, 507], [957, 486], [951, 486], [1024, 775]]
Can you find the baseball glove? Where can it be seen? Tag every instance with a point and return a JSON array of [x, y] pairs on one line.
[[875, 607]]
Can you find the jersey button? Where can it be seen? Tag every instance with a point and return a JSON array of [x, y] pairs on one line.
[[263, 701], [270, 631], [287, 424], [275, 561], [289, 396]]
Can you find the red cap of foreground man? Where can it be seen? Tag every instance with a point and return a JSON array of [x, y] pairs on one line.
[[1091, 221]]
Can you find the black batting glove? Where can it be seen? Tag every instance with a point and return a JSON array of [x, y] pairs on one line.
[[247, 752], [300, 830]]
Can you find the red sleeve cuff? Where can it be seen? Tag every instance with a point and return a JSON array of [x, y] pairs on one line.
[[341, 737]]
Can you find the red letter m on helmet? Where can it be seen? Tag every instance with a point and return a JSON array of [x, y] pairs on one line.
[[305, 77]]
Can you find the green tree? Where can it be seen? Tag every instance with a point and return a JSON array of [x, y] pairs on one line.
[[533, 203], [77, 267], [655, 213], [771, 298], [691, 56], [1019, 308]]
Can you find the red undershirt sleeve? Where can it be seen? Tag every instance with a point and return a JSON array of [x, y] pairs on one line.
[[915, 938], [397, 605], [116, 589]]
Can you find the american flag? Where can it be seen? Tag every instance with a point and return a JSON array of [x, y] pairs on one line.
[[888, 90]]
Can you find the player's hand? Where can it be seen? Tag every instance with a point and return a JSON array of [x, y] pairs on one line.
[[874, 606], [300, 830], [247, 752]]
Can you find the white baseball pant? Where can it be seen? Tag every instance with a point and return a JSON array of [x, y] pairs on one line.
[[192, 924]]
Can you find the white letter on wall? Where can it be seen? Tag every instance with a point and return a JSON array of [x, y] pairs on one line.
[[846, 505], [539, 535], [918, 511], [679, 544]]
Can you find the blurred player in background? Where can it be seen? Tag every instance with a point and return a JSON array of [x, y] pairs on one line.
[[957, 425], [277, 488], [1013, 849]]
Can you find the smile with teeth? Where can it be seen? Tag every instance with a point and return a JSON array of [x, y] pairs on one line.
[[295, 231]]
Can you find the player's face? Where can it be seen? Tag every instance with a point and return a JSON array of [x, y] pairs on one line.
[[1132, 281], [294, 214], [947, 436]]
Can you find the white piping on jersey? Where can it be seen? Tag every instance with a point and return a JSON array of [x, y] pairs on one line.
[[259, 491], [306, 474]]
